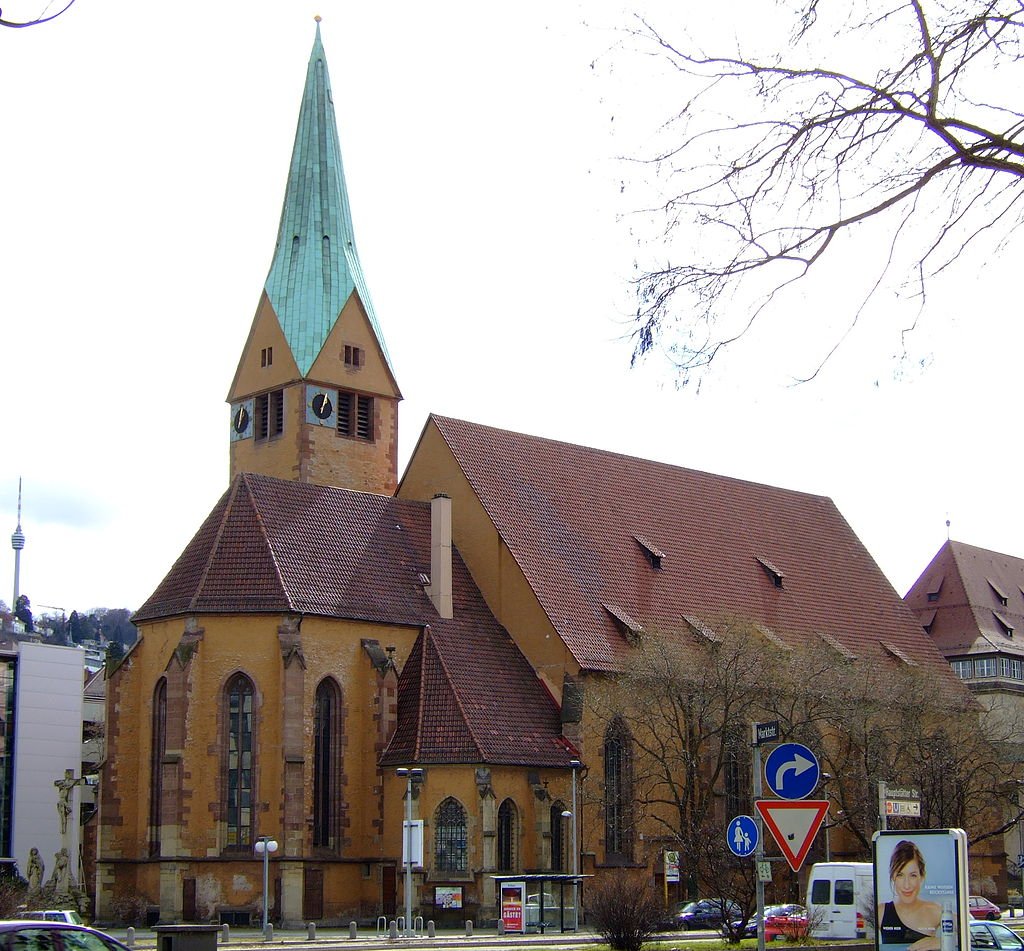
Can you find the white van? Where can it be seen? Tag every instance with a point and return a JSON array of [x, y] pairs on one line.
[[840, 899]]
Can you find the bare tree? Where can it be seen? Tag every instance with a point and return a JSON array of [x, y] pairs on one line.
[[780, 161], [688, 697]]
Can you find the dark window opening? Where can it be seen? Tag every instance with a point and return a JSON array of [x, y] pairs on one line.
[[239, 765], [507, 831], [618, 792], [267, 357], [270, 414], [159, 748], [559, 844], [450, 853], [355, 415], [327, 767], [353, 356]]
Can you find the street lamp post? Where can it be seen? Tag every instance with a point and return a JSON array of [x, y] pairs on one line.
[[411, 775], [575, 764], [265, 846]]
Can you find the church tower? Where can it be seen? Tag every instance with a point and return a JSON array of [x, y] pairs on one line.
[[314, 398]]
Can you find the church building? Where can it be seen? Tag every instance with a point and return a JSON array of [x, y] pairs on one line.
[[331, 623]]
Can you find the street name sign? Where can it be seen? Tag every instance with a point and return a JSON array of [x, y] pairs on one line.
[[766, 732], [793, 825]]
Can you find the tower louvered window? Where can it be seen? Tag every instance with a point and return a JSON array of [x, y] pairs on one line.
[[270, 414], [355, 415]]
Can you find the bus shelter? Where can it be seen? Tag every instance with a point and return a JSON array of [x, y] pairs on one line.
[[539, 901]]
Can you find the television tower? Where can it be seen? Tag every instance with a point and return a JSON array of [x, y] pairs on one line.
[[17, 543]]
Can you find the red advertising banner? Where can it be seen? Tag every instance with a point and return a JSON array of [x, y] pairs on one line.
[[513, 899]]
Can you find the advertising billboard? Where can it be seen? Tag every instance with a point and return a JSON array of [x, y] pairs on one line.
[[921, 890]]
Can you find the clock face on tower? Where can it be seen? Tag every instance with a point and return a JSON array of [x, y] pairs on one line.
[[320, 406], [241, 420]]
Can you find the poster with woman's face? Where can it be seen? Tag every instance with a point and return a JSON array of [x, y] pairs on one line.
[[920, 886]]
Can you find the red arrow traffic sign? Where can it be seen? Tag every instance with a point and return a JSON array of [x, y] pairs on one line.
[[793, 824]]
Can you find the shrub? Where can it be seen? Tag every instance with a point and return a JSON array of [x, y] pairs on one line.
[[624, 909], [130, 907], [12, 890]]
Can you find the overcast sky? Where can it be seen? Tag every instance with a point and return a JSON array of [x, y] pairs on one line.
[[145, 148]]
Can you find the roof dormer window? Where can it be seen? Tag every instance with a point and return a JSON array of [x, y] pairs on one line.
[[934, 588], [998, 592], [1004, 623], [654, 555], [773, 573]]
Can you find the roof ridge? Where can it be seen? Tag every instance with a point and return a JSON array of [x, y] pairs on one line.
[[618, 454], [258, 512], [456, 694], [211, 556]]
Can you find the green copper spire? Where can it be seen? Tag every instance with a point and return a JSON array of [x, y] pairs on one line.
[[315, 264]]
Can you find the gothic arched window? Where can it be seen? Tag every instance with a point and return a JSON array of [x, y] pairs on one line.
[[158, 747], [240, 762], [618, 792], [450, 852], [559, 838], [327, 766], [508, 835]]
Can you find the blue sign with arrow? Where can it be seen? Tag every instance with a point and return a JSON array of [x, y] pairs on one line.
[[791, 771], [742, 836]]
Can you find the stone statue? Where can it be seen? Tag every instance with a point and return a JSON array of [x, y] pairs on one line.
[[35, 872], [65, 787], [60, 878]]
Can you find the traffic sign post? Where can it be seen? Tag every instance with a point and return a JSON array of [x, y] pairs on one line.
[[742, 836], [793, 825], [791, 771]]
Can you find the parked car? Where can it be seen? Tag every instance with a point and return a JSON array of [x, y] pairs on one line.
[[54, 936], [55, 914], [780, 921], [706, 913], [983, 909], [989, 934]]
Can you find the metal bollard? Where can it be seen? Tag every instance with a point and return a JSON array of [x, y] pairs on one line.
[[393, 930], [225, 933], [130, 938], [311, 931], [469, 927], [268, 932], [501, 926], [352, 930], [430, 928]]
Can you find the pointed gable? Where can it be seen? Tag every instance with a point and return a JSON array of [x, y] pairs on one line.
[[473, 699], [316, 266], [571, 517], [971, 600]]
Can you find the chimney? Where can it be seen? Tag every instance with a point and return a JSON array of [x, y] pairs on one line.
[[440, 589]]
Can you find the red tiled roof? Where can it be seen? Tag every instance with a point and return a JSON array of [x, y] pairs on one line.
[[571, 517], [967, 615], [466, 693]]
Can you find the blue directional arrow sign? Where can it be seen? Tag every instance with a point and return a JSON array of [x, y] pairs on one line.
[[791, 771], [742, 836]]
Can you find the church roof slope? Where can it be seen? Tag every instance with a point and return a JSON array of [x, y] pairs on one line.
[[677, 548], [474, 700], [273, 545], [971, 600], [276, 546], [316, 265]]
